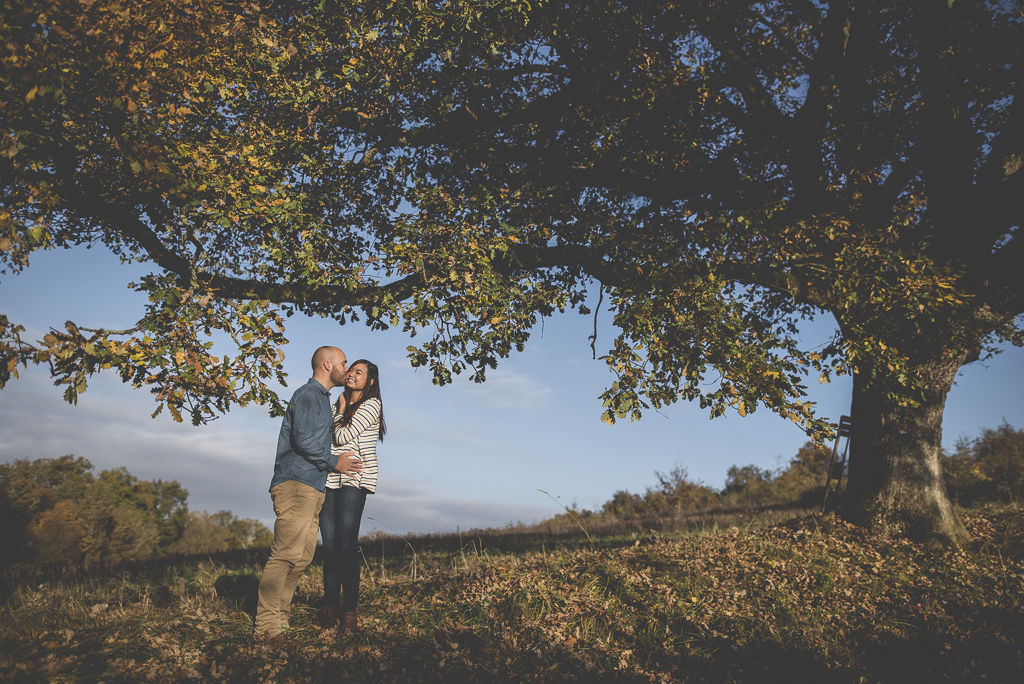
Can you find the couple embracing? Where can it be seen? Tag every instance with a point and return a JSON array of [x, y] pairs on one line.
[[322, 447]]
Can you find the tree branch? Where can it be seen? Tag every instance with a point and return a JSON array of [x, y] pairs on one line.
[[1006, 276], [880, 199], [1006, 155], [822, 70], [122, 220], [945, 137], [754, 94], [794, 49], [1000, 206]]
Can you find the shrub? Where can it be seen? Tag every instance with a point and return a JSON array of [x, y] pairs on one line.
[[803, 481], [221, 531], [623, 504], [56, 511], [59, 534], [683, 494], [748, 486], [987, 468]]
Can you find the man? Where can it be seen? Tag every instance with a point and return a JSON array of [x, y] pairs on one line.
[[303, 460]]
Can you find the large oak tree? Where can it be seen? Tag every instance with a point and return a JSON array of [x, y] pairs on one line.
[[717, 171]]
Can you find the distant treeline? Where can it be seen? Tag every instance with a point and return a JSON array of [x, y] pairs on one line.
[[989, 468], [55, 510]]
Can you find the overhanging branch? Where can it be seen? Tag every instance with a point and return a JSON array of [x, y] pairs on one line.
[[130, 226]]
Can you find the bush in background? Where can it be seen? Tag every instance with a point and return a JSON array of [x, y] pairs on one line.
[[56, 511], [221, 531], [675, 492], [683, 494], [989, 468], [802, 482], [748, 486]]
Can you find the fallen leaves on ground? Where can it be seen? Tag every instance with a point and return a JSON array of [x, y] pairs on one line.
[[807, 600]]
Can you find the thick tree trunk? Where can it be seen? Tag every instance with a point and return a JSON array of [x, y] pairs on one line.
[[895, 485]]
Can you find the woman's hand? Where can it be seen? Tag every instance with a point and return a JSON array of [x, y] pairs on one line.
[[341, 403]]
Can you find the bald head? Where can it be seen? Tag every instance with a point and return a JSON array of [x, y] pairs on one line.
[[323, 354], [329, 366]]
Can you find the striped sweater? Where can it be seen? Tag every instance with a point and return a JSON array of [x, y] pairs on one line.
[[359, 436]]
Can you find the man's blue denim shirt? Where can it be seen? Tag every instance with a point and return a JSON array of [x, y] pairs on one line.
[[304, 445]]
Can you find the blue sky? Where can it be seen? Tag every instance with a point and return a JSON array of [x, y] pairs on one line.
[[456, 457]]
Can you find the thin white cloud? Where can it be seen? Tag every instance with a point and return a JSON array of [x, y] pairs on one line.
[[405, 427], [510, 389]]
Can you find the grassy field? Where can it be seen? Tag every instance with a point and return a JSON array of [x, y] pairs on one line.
[[808, 599]]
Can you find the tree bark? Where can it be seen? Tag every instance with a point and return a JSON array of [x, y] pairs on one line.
[[895, 486]]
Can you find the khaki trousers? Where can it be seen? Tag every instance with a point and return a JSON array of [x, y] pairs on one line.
[[297, 507]]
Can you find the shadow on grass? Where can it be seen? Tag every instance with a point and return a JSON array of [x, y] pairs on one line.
[[474, 656], [240, 590]]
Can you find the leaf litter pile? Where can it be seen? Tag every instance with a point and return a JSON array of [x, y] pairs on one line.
[[807, 600]]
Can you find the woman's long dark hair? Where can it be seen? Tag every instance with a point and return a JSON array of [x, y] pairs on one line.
[[370, 391]]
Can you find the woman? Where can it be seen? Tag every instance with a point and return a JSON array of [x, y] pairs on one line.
[[358, 424]]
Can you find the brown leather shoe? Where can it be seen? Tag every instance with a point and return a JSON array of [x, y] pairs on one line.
[[349, 623], [328, 617]]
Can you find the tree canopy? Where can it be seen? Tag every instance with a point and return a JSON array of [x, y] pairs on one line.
[[716, 170]]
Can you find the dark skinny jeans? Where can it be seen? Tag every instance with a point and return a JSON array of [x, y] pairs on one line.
[[339, 527]]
